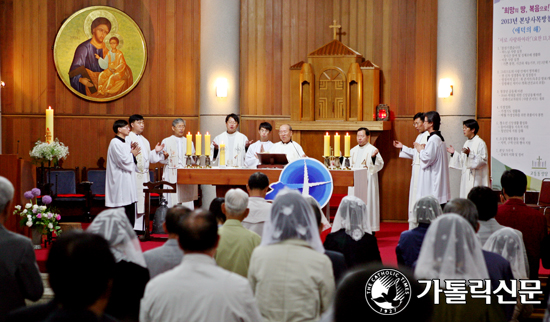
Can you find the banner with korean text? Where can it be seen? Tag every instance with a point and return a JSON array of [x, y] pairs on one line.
[[520, 122]]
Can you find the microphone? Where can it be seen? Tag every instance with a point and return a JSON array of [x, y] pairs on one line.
[[299, 156]]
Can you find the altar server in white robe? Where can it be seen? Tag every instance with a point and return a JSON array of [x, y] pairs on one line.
[[173, 158], [235, 142], [411, 153], [263, 145], [144, 158], [292, 149], [366, 156], [434, 165], [120, 178], [472, 160]]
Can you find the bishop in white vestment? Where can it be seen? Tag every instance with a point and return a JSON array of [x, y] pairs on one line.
[[174, 158], [411, 153], [434, 166], [235, 143], [292, 149], [144, 158], [472, 160], [366, 156]]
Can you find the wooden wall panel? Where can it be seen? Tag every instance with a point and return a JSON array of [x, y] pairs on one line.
[[169, 86], [400, 36], [485, 70]]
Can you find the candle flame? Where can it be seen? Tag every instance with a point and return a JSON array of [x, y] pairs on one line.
[[347, 133], [188, 133], [49, 107], [326, 134], [207, 133], [336, 133], [199, 133]]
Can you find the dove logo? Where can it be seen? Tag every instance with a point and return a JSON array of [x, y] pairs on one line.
[[388, 291]]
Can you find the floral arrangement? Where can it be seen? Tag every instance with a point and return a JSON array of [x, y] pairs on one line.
[[54, 151], [40, 217]]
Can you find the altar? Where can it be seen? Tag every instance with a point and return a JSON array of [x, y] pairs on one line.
[[225, 179]]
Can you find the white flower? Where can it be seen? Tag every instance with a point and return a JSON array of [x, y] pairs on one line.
[[18, 207], [42, 208], [24, 211], [29, 216], [35, 207], [50, 225], [29, 223], [28, 205]]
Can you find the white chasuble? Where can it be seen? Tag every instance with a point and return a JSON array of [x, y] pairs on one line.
[[292, 150], [251, 160], [120, 177], [434, 170], [474, 166], [361, 158], [235, 148], [145, 157], [176, 148], [412, 153]]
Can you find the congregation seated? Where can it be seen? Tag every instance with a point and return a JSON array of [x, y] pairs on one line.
[[425, 211], [514, 213], [216, 209], [351, 234], [236, 242], [197, 289], [19, 275], [169, 255], [486, 202], [460, 258], [131, 274], [339, 266], [73, 255], [290, 276], [507, 243], [497, 266], [257, 187]]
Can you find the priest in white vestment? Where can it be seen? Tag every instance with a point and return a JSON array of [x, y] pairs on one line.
[[174, 158], [263, 145], [235, 142], [434, 165], [411, 153], [472, 160], [259, 208], [365, 156], [144, 158], [120, 173], [292, 149]]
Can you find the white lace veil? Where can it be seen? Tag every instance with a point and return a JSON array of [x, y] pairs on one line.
[[507, 243], [426, 210], [352, 216], [451, 250], [291, 218], [314, 203], [115, 227]]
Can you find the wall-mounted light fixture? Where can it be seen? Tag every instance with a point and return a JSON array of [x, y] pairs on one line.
[[221, 87], [445, 88], [2, 84]]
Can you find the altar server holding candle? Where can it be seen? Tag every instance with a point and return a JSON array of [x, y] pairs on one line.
[[236, 143], [174, 158], [365, 156], [145, 157]]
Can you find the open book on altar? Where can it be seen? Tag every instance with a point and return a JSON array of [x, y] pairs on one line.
[[272, 160]]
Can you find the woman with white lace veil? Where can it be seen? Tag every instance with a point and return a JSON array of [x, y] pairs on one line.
[[289, 264], [451, 251], [507, 243], [425, 211], [131, 274], [314, 203], [351, 233]]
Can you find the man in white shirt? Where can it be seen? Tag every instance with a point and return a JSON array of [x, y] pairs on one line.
[[174, 158], [144, 158], [197, 289], [366, 156], [263, 145], [434, 166], [292, 149], [472, 160], [235, 142], [120, 178], [260, 209], [411, 153]]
